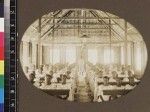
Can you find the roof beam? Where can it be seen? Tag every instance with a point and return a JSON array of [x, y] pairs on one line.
[[96, 15], [51, 19], [81, 24], [53, 27], [68, 18], [48, 20], [115, 22], [113, 42]]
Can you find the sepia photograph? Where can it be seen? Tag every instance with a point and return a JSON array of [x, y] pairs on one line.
[[83, 55]]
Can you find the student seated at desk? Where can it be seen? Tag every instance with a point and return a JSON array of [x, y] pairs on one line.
[[68, 74], [130, 73], [39, 76], [123, 73], [48, 78], [114, 77], [31, 77], [131, 81], [119, 82], [131, 78], [100, 96], [46, 69], [64, 78], [55, 76], [59, 79], [99, 77], [100, 74], [107, 72]]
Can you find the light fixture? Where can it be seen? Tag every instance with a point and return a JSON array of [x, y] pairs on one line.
[[84, 36]]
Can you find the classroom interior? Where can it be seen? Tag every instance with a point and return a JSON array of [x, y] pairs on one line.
[[83, 55]]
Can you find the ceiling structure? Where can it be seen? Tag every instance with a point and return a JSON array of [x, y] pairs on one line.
[[78, 25]]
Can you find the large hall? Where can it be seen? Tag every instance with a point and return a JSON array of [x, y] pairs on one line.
[[83, 55]]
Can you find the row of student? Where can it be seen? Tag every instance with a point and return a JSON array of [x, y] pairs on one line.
[[126, 75], [123, 71], [111, 82], [47, 76], [114, 77], [46, 68], [100, 96]]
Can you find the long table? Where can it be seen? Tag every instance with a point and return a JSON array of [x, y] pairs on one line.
[[122, 83], [115, 92], [56, 92], [56, 89]]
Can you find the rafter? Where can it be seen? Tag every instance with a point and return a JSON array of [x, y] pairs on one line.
[[87, 18], [114, 42], [100, 20], [114, 21], [53, 27], [49, 20]]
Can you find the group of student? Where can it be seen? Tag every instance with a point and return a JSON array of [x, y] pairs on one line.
[[101, 78], [113, 79], [46, 74]]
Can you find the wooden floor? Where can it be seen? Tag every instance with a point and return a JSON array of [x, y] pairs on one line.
[[83, 92]]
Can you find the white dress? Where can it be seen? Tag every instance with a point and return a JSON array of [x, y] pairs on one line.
[[81, 70], [100, 93]]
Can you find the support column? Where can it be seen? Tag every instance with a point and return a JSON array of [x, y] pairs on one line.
[[25, 54], [40, 55], [34, 53], [46, 55], [138, 57], [122, 55], [129, 57], [126, 43]]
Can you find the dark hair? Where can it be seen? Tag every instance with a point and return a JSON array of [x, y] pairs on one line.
[[106, 77]]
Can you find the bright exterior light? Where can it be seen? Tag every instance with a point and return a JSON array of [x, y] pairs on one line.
[[70, 55], [108, 56], [92, 55], [138, 58], [54, 56]]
